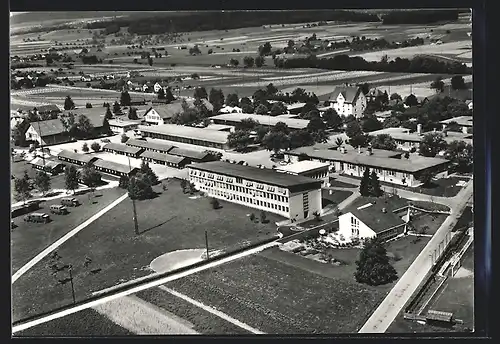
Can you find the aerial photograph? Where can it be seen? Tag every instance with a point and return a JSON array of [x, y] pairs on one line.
[[284, 172]]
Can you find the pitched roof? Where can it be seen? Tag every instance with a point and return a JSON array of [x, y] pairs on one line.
[[166, 111], [49, 127], [349, 93], [162, 157], [48, 163], [122, 148], [267, 176], [188, 153], [461, 120], [376, 219], [114, 166], [149, 145], [121, 123], [95, 115], [48, 108], [85, 158]]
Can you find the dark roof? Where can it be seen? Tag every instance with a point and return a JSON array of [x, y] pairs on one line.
[[166, 111], [85, 158], [162, 157], [194, 133], [267, 176], [376, 219], [114, 166], [49, 127], [188, 153], [122, 148], [135, 100], [48, 163], [95, 115], [349, 93], [48, 108], [149, 144]]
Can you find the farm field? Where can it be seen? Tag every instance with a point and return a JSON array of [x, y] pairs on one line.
[[111, 244]]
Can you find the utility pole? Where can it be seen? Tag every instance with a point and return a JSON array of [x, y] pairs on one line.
[[206, 243], [136, 225], [72, 286], [41, 144]]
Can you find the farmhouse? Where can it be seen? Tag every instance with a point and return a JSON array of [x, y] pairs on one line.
[[464, 122], [48, 109], [294, 197], [192, 155], [348, 100], [120, 127], [122, 149], [95, 116], [50, 132], [370, 221], [114, 168], [47, 165], [151, 146], [307, 168], [268, 121], [164, 159], [387, 164], [76, 158], [190, 135], [162, 114]]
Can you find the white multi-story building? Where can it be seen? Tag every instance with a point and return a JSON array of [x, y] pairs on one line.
[[307, 168], [348, 101], [294, 197]]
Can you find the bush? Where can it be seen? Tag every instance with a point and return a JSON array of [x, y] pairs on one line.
[[214, 202]]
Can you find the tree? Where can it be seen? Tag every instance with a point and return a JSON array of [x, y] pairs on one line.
[[68, 103], [461, 154], [383, 141], [116, 108], [48, 60], [149, 173], [263, 218], [42, 182], [184, 184], [85, 147], [195, 50], [375, 189], [301, 138], [371, 123], [108, 114], [265, 49], [411, 100], [364, 186], [23, 187], [234, 62], [95, 146], [458, 83], [88, 106], [139, 187], [438, 84], [84, 127], [276, 141], [278, 108], [232, 100], [150, 61], [252, 217], [259, 61], [248, 61], [214, 202], [271, 89], [320, 136], [332, 119], [161, 94], [71, 178], [239, 140], [316, 124], [353, 129], [373, 266], [425, 177], [261, 110], [169, 97], [395, 96], [391, 122], [125, 98], [216, 98], [132, 113], [339, 142], [124, 138], [360, 140], [200, 93], [90, 177], [432, 144]]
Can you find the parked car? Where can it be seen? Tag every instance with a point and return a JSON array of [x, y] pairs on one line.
[[59, 209], [241, 162], [106, 140], [283, 163], [70, 202], [37, 217]]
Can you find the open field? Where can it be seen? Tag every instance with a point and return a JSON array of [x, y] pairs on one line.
[[84, 323], [170, 222]]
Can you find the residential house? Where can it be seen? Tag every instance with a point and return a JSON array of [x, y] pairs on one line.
[[231, 109], [48, 110], [469, 104], [464, 122], [348, 100], [50, 132]]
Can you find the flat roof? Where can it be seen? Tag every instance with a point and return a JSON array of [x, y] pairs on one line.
[[188, 153], [388, 163], [162, 157], [149, 144], [120, 123], [187, 132], [267, 176], [218, 127], [122, 148], [379, 153], [403, 134], [465, 121], [293, 123], [303, 166], [113, 166], [86, 158]]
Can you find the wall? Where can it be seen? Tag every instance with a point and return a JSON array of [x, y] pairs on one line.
[[153, 117], [297, 204], [345, 227], [32, 135]]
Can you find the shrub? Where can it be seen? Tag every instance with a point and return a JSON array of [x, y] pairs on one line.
[[215, 203], [252, 217]]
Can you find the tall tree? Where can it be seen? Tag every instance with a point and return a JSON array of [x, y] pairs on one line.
[[239, 140], [248, 61], [23, 187], [278, 108], [461, 154], [438, 84], [132, 113], [149, 173], [364, 186], [108, 113], [71, 178], [161, 94], [383, 141], [276, 141], [339, 142], [139, 187], [259, 61], [68, 103], [85, 147], [216, 98], [432, 144], [458, 83], [261, 110], [200, 93], [85, 128], [125, 98], [90, 177], [353, 129], [169, 97], [411, 100], [370, 123], [316, 124], [232, 100], [373, 266], [332, 119], [95, 146], [88, 105], [375, 189], [116, 108]]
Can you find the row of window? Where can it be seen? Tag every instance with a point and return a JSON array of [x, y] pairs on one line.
[[182, 139], [238, 180], [354, 226], [249, 200], [241, 189], [317, 175]]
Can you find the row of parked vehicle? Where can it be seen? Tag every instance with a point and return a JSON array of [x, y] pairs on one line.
[[58, 209]]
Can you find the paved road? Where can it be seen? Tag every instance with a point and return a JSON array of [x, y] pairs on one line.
[[394, 302]]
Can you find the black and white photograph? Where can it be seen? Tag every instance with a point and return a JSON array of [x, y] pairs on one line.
[[241, 172]]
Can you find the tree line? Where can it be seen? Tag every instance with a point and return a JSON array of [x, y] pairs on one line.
[[419, 17]]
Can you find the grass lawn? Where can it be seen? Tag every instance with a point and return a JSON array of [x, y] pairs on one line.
[[172, 221], [204, 322], [83, 323], [335, 198], [431, 221], [28, 239], [284, 293]]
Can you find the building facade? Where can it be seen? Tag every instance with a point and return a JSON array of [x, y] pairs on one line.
[[121, 127], [189, 135], [312, 169], [349, 101], [294, 197]]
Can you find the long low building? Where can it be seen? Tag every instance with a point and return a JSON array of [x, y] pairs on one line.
[[121, 126], [268, 121], [192, 155], [47, 165], [164, 159], [189, 135], [76, 158], [294, 197], [114, 168], [389, 168], [117, 148], [149, 145]]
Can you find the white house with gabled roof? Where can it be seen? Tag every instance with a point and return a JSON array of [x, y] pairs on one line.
[[348, 100]]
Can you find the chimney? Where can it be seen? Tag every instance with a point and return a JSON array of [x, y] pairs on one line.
[[419, 129], [384, 210]]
